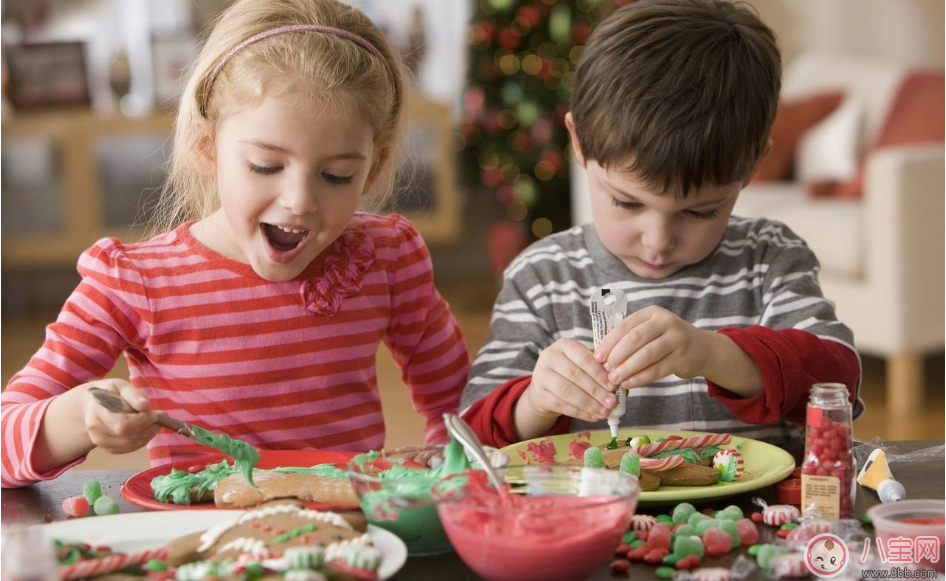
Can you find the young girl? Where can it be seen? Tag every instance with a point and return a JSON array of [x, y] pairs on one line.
[[262, 317]]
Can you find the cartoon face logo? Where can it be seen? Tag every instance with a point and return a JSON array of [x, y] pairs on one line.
[[826, 555]]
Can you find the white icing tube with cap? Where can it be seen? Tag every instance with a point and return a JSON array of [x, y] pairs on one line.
[[876, 475], [608, 307]]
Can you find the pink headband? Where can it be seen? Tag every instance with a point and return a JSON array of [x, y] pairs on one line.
[[280, 30]]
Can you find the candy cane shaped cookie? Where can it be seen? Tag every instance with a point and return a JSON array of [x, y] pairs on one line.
[[109, 564], [659, 464]]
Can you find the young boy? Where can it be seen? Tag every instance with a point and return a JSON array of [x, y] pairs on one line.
[[727, 328]]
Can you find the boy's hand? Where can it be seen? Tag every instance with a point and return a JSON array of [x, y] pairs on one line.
[[114, 432], [653, 343], [568, 381]]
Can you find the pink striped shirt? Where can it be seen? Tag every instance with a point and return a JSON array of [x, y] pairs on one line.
[[283, 365]]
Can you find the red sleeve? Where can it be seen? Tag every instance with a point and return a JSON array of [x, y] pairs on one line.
[[492, 417], [790, 362]]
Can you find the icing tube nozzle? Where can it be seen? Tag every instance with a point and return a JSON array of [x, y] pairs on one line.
[[876, 475], [614, 418]]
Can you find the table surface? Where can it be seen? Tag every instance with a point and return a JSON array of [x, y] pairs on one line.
[[43, 503]]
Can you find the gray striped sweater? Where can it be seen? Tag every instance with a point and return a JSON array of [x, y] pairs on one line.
[[761, 273]]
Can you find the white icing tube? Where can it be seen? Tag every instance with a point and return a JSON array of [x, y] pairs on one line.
[[608, 307]]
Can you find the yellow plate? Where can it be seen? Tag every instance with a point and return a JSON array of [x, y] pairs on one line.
[[765, 464]]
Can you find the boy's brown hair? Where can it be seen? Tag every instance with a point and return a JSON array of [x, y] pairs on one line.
[[680, 92]]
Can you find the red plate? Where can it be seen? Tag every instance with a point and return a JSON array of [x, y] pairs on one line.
[[137, 489]]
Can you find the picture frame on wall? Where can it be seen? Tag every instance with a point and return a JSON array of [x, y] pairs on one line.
[[47, 75]]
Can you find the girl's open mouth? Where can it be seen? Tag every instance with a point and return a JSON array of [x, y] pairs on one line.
[[284, 242]]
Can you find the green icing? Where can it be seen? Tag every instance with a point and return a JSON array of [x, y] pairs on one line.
[[286, 537], [691, 455], [613, 444], [403, 504], [176, 487], [727, 471], [243, 453]]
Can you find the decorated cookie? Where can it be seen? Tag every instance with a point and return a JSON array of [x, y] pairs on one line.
[[690, 475], [235, 492]]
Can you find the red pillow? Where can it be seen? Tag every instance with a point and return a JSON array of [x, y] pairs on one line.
[[916, 116], [791, 122]]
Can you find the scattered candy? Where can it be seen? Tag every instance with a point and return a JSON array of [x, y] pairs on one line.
[[621, 549], [686, 531], [729, 527], [731, 512], [757, 517], [92, 490], [791, 566], [809, 530], [779, 514], [105, 505], [594, 458], [629, 537], [789, 526], [76, 506], [767, 553], [754, 550], [748, 532], [783, 533], [688, 563], [710, 512], [655, 556], [696, 517], [682, 512], [712, 574], [620, 565], [631, 463], [671, 559], [865, 518], [636, 544], [686, 546], [642, 522], [659, 537], [665, 518], [665, 572], [716, 542], [637, 553], [705, 525]]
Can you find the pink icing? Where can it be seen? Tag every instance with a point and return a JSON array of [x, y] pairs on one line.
[[542, 537]]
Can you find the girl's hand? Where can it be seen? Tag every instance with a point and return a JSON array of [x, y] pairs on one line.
[[653, 343], [119, 433]]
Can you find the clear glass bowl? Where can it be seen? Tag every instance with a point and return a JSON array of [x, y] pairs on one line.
[[567, 524], [404, 505]]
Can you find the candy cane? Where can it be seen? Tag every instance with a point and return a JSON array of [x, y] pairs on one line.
[[712, 574], [659, 464], [109, 564], [694, 442], [779, 514]]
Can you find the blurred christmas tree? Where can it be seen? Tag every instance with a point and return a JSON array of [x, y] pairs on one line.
[[522, 63]]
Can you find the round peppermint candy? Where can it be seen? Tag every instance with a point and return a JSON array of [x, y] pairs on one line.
[[642, 522], [730, 464], [779, 514]]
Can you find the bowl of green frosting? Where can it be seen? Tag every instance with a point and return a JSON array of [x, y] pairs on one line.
[[394, 490]]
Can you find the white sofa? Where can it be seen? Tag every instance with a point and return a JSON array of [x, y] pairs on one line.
[[882, 256]]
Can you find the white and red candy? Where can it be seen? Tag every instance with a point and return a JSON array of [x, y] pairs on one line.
[[779, 514], [660, 464], [109, 564], [642, 523], [676, 444], [722, 458], [712, 574], [809, 530], [789, 566]]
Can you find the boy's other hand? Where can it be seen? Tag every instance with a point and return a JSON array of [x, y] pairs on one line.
[[119, 433], [653, 343], [568, 381]]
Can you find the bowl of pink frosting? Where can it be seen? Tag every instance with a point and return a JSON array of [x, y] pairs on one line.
[[561, 524]]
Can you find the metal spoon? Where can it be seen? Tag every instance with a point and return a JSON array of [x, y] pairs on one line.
[[118, 405], [466, 436]]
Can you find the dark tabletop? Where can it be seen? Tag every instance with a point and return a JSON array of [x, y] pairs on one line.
[[42, 503]]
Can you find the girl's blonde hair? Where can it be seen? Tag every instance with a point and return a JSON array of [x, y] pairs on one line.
[[313, 66]]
